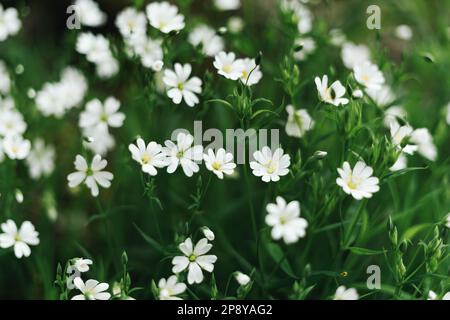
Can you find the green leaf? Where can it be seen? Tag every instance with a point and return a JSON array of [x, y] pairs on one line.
[[278, 256], [412, 231], [262, 111], [151, 241], [398, 173], [221, 101], [365, 251]]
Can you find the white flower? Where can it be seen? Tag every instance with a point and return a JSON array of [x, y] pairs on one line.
[[391, 115], [251, 73], [207, 232], [82, 265], [308, 46], [235, 24], [337, 38], [358, 181], [400, 164], [91, 174], [448, 221], [400, 135], [270, 166], [424, 141], [220, 163], [102, 115], [41, 160], [10, 23], [353, 54], [228, 66], [19, 239], [131, 22], [5, 80], [358, 94], [342, 293], [180, 86], [448, 114], [301, 15], [107, 68], [91, 290], [242, 278], [333, 94], [226, 5], [170, 288], [285, 221], [369, 75], [89, 13], [298, 122], [194, 260], [100, 140], [164, 17], [205, 36], [404, 32], [433, 296], [382, 96], [150, 52], [16, 147], [149, 157], [11, 123], [183, 153]]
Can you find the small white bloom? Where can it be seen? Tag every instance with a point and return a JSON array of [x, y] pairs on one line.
[[226, 5], [448, 114], [91, 290], [251, 73], [333, 94], [358, 94], [18, 195], [11, 122], [342, 293], [400, 164], [165, 17], [235, 24], [102, 115], [298, 123], [149, 156], [41, 160], [207, 232], [369, 75], [5, 80], [308, 47], [131, 22], [205, 36], [391, 115], [19, 239], [353, 55], [194, 260], [150, 52], [337, 37], [89, 13], [91, 175], [16, 147], [220, 163], [100, 140], [433, 296], [270, 166], [424, 141], [183, 153], [242, 278], [10, 23], [382, 96], [448, 221], [400, 135], [228, 66], [301, 15], [180, 86], [284, 218], [82, 265], [404, 32], [170, 288], [358, 181]]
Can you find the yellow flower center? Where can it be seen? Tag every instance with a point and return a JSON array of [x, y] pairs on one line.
[[227, 68], [271, 167], [192, 257], [146, 158], [180, 86], [216, 165]]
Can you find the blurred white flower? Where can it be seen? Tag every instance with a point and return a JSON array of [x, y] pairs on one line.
[[448, 221], [333, 94], [10, 23], [337, 37], [207, 232], [82, 265], [308, 46], [424, 141], [100, 140], [391, 115], [342, 293], [381, 96], [433, 296], [211, 43], [235, 24], [400, 136], [150, 52], [19, 239], [91, 290], [298, 122], [170, 288], [100, 115], [353, 55], [358, 182], [89, 13], [219, 163], [194, 260], [404, 32], [251, 73], [369, 75], [183, 153], [284, 218], [301, 15], [92, 175], [180, 86], [228, 66], [11, 122], [41, 160], [131, 22], [400, 164], [242, 278], [165, 17], [358, 94], [5, 80], [18, 195], [226, 5], [149, 156], [270, 166], [16, 147], [448, 114]]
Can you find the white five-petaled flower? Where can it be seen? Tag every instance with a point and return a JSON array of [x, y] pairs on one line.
[[149, 156], [228, 66], [220, 163], [242, 278], [251, 74], [165, 17], [89, 13], [19, 239], [183, 153], [400, 135], [91, 290], [333, 94], [100, 115], [180, 86], [433, 296], [298, 122], [270, 166], [10, 23], [41, 160], [353, 54], [205, 36], [131, 22], [369, 75], [194, 259], [82, 265], [170, 288], [423, 139], [91, 175], [342, 293], [284, 218], [16, 147], [358, 181]]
